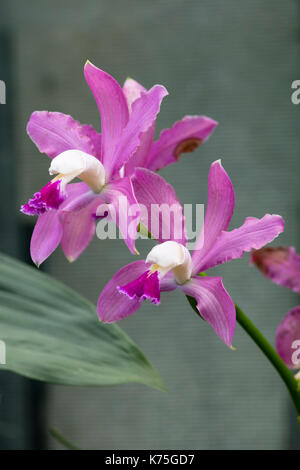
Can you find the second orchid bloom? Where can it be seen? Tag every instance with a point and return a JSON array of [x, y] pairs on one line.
[[170, 266]]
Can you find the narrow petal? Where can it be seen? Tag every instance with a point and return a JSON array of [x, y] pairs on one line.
[[46, 236], [113, 108], [54, 133], [288, 338], [162, 213], [144, 112], [78, 230], [280, 264], [132, 91], [185, 136], [214, 304], [120, 194], [139, 157], [253, 234], [112, 304], [219, 210]]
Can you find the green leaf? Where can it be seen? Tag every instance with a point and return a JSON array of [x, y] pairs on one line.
[[62, 439], [53, 334]]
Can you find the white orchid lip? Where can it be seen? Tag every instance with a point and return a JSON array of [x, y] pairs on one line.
[[75, 163], [169, 256]]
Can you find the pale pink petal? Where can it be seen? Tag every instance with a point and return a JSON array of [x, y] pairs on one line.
[[219, 210], [46, 236], [112, 304], [280, 264], [132, 91], [113, 108], [214, 304], [162, 213], [54, 133], [144, 112], [78, 230], [253, 234], [288, 338], [185, 136], [119, 193]]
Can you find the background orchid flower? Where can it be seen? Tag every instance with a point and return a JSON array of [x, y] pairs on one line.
[[282, 265], [103, 162], [170, 266]]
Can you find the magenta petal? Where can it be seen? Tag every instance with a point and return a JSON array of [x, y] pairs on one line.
[[144, 112], [46, 236], [253, 234], [113, 108], [185, 136], [280, 264], [214, 304], [144, 287], [49, 197], [139, 157], [114, 306], [288, 338], [54, 133], [120, 194], [132, 91], [78, 230], [151, 191], [219, 210]]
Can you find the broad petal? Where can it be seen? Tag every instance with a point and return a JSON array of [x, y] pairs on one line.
[[253, 234], [78, 230], [120, 194], [185, 136], [214, 304], [288, 338], [280, 264], [132, 91], [161, 212], [144, 112], [54, 133], [113, 108], [46, 236], [219, 210], [112, 304]]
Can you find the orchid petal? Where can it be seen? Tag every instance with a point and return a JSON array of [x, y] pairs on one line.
[[288, 338], [253, 234], [113, 108], [132, 91], [78, 230], [152, 191], [120, 194], [54, 133], [112, 304], [219, 210], [185, 136], [144, 112], [214, 305], [46, 236], [280, 264]]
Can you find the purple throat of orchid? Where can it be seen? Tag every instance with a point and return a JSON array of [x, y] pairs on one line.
[[49, 197], [144, 287]]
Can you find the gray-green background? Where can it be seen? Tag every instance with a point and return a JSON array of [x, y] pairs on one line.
[[233, 61]]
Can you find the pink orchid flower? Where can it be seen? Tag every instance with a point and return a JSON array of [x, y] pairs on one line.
[[282, 265], [170, 266], [104, 163]]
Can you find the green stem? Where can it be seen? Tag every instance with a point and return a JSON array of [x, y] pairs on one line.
[[273, 357]]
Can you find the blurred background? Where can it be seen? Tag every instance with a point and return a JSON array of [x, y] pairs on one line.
[[234, 62]]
